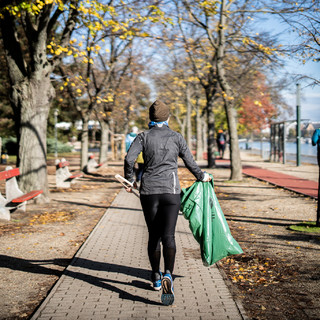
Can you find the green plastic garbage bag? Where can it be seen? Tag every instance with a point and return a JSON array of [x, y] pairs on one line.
[[208, 225]]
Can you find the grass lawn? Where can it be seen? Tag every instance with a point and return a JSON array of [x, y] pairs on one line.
[[309, 227]]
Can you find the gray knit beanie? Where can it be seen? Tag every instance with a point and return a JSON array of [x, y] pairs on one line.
[[159, 111]]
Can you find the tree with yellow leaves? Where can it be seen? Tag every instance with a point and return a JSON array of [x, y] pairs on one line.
[[36, 36], [27, 27], [223, 35]]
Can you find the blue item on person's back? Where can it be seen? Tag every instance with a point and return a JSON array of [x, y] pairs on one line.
[[129, 139]]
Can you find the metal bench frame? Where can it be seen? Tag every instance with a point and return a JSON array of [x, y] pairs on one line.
[[63, 176], [92, 165], [14, 198]]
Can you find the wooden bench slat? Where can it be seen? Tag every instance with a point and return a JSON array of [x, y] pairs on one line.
[[75, 176], [9, 173], [27, 196]]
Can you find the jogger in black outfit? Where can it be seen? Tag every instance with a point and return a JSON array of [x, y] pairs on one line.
[[160, 190], [161, 213]]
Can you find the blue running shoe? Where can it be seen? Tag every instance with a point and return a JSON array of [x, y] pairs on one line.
[[157, 281], [167, 297]]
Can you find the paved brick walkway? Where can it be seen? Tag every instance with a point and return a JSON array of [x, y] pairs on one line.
[[109, 276]]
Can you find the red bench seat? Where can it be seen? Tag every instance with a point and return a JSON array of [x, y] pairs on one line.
[[75, 176], [27, 196]]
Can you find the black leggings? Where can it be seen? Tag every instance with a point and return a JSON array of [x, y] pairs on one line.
[[161, 213]]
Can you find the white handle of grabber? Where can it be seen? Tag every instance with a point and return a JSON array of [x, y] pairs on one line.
[[126, 183]]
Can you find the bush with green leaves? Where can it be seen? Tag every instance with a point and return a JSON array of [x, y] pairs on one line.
[[61, 147], [10, 146]]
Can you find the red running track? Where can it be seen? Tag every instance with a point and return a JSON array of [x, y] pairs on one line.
[[303, 186]]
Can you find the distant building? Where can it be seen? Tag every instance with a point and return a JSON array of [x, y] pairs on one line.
[[311, 126], [308, 128]]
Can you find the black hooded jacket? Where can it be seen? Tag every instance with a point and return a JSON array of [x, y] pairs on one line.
[[161, 148]]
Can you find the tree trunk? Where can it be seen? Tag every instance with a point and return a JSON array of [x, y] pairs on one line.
[[211, 133], [236, 167], [199, 151], [235, 159], [183, 128], [189, 126], [32, 98], [104, 143], [204, 134], [94, 134], [84, 143]]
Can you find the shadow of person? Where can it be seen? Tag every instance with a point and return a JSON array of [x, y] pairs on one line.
[[41, 267], [33, 266]]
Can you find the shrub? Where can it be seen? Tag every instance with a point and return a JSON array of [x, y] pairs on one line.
[[62, 147]]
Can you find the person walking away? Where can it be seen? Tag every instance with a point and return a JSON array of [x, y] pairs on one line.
[[129, 139], [316, 142], [221, 143], [4, 157], [160, 191]]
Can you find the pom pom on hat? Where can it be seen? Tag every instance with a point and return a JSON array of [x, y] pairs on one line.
[[159, 111]]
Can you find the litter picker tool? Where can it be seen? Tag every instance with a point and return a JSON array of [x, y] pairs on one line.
[[126, 184]]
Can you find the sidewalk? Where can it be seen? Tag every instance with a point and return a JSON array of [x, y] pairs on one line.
[[109, 276], [302, 179]]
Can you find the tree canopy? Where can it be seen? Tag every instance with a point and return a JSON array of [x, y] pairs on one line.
[[108, 59]]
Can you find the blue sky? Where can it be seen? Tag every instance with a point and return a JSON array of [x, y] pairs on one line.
[[310, 96]]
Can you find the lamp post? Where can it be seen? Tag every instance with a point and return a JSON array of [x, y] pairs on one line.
[[298, 126], [56, 112]]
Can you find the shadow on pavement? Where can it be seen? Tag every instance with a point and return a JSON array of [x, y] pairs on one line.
[[39, 267], [279, 245], [33, 266], [252, 220]]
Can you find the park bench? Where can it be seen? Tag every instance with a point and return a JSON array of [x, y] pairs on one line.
[[63, 176], [93, 165], [14, 198]]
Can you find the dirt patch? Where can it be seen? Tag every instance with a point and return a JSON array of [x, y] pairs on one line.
[[278, 276], [37, 245]]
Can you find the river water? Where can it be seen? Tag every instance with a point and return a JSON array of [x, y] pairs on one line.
[[308, 152]]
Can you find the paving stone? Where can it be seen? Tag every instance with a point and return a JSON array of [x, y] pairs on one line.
[[110, 276]]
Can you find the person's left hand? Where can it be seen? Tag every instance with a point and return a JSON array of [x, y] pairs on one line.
[[206, 177]]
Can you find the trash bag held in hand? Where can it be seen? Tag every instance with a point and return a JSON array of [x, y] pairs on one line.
[[208, 225]]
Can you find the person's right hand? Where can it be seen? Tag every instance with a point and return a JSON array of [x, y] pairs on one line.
[[135, 186]]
